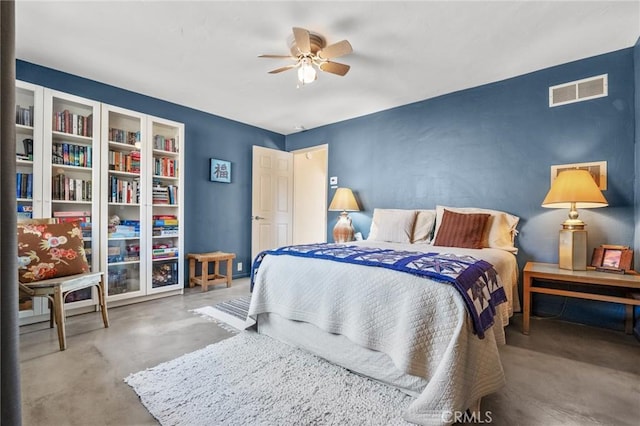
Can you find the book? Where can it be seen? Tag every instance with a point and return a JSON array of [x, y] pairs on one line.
[[28, 148], [75, 213]]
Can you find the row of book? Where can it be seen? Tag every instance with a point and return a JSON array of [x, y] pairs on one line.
[[164, 250], [82, 216], [124, 190], [24, 116], [24, 185], [163, 166], [123, 253], [128, 228], [165, 144], [71, 189], [28, 150], [165, 194], [123, 162], [165, 225], [70, 154], [25, 212], [123, 136], [76, 124]]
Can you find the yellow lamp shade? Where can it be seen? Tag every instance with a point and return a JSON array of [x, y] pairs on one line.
[[343, 200], [574, 186]]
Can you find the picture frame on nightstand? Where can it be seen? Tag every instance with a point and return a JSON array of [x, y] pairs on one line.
[[612, 258]]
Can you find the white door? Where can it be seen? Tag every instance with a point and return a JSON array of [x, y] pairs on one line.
[[310, 195], [272, 199]]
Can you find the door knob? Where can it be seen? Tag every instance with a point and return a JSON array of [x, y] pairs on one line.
[[258, 217]]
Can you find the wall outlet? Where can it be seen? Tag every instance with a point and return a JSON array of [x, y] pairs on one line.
[[239, 266]]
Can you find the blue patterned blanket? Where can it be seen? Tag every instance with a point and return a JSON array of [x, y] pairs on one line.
[[476, 280]]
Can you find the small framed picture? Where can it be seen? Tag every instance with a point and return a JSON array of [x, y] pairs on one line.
[[220, 170], [612, 258]]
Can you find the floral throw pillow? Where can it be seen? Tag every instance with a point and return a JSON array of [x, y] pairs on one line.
[[48, 251]]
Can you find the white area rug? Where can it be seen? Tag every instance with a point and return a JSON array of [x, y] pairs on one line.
[[230, 315], [251, 379]]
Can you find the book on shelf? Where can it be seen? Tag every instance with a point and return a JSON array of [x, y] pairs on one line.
[[78, 213], [165, 232], [24, 215], [165, 222], [70, 154], [165, 144], [27, 144], [24, 116], [67, 122], [24, 185], [123, 136], [164, 253]]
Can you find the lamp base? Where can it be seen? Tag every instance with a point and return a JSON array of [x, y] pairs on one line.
[[572, 249], [343, 231]]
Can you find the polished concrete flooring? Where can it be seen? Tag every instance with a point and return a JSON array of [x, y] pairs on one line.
[[561, 374]]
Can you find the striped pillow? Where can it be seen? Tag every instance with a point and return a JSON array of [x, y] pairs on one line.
[[461, 230]]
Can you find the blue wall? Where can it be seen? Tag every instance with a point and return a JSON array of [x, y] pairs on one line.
[[492, 146], [217, 215]]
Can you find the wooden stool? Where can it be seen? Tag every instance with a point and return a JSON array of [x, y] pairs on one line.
[[206, 279]]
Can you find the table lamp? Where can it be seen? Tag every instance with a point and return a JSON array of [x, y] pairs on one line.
[[344, 201], [573, 189]]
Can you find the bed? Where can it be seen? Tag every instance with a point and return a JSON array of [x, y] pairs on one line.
[[409, 331]]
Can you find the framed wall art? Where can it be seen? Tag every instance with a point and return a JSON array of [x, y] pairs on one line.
[[220, 171]]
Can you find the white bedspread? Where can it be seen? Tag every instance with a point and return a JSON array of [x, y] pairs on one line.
[[420, 324]]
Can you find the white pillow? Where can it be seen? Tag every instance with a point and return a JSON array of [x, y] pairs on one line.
[[423, 229], [501, 227], [392, 225]]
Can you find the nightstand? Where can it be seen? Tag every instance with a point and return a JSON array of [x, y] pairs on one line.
[[550, 272]]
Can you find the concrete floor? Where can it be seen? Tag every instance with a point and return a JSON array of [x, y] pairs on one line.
[[562, 374]]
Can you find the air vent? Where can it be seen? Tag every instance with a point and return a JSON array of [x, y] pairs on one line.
[[579, 90]]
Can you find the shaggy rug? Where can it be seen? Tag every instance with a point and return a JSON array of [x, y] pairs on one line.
[[230, 314], [251, 379]]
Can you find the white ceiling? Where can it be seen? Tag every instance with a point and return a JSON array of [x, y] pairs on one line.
[[203, 54]]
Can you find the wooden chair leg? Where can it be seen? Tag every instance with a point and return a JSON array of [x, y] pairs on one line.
[[103, 304], [58, 308], [50, 304]]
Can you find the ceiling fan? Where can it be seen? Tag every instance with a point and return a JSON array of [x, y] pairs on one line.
[[310, 51]]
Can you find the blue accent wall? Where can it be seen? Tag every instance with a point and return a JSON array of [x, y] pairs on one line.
[[492, 146], [217, 215]]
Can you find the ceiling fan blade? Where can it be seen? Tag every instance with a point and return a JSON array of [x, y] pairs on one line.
[[335, 68], [301, 37], [336, 50], [276, 56], [277, 70]]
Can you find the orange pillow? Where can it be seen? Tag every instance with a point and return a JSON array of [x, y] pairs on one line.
[[50, 251], [461, 230]]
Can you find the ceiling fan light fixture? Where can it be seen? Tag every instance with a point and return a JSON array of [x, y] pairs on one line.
[[311, 54], [306, 73]]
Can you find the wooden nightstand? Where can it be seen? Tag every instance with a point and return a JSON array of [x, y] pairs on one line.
[[551, 273]]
